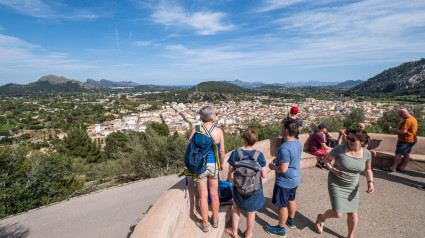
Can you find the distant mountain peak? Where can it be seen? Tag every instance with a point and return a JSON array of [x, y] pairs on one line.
[[53, 79], [103, 83]]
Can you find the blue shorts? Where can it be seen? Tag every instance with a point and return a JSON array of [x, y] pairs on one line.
[[281, 195], [403, 148]]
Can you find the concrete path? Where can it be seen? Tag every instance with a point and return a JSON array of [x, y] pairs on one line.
[[396, 209], [109, 213]]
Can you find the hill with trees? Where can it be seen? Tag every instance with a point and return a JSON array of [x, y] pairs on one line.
[[406, 79], [219, 87], [46, 84], [348, 84], [103, 83]]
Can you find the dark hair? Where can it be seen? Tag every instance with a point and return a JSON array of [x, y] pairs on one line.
[[291, 126], [361, 134], [250, 136]]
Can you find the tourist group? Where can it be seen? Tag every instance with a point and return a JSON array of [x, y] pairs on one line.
[[247, 166]]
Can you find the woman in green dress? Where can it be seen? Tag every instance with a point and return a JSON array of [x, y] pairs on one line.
[[343, 179]]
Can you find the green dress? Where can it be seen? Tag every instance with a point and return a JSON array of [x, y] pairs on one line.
[[344, 190]]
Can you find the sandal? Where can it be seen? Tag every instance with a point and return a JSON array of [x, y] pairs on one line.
[[321, 224], [229, 231], [388, 169], [201, 225], [215, 223]]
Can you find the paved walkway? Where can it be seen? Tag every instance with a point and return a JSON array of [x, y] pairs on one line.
[[109, 213], [396, 209]]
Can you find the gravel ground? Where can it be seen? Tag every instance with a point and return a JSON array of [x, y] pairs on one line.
[[395, 209]]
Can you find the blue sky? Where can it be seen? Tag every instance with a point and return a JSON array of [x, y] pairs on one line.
[[186, 42]]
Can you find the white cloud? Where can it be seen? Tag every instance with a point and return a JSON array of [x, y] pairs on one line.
[[270, 5], [205, 22], [142, 43], [19, 54], [39, 9]]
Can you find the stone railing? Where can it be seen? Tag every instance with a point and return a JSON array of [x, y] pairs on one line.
[[175, 212]]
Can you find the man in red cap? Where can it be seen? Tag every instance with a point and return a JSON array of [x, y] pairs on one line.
[[292, 115]]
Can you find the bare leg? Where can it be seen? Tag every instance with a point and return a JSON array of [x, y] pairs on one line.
[[236, 212], [406, 159], [330, 214], [397, 160], [352, 221], [249, 224], [203, 201], [283, 216], [215, 201], [292, 208]]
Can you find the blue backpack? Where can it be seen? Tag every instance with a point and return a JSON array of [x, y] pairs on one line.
[[199, 146]]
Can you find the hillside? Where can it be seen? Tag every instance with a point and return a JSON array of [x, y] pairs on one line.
[[47, 84], [245, 84], [103, 83], [401, 80], [220, 87], [348, 84]]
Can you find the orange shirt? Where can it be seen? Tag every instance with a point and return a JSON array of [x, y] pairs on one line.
[[411, 125]]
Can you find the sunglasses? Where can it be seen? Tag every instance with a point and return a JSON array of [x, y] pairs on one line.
[[351, 139]]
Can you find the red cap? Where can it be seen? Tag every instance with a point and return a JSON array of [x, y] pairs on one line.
[[294, 110]]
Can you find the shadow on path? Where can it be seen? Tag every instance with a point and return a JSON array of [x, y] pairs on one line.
[[14, 230], [394, 177]]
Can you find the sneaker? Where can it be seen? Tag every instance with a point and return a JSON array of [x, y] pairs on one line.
[[275, 230], [290, 223]]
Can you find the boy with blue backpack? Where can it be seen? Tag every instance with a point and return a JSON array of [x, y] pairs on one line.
[[288, 176], [248, 166]]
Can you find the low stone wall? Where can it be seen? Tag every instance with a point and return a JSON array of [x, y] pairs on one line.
[[175, 212]]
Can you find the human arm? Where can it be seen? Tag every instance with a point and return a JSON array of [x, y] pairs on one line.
[[369, 178], [324, 146], [191, 135], [222, 150], [327, 163], [263, 172], [398, 131], [282, 168]]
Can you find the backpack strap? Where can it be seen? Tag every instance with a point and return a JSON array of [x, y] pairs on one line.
[[256, 154], [198, 128], [208, 132], [240, 154]]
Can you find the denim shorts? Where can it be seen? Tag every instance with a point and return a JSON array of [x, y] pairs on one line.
[[281, 195], [403, 148], [211, 171]]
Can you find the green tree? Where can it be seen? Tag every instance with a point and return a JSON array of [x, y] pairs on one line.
[[355, 117], [32, 179], [76, 143], [116, 141], [266, 132], [232, 142], [334, 124], [160, 128]]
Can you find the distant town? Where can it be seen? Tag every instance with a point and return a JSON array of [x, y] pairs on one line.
[[232, 116]]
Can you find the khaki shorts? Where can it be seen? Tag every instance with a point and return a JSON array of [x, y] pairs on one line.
[[211, 172]]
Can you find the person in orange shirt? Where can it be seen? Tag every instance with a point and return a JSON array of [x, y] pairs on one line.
[[406, 140]]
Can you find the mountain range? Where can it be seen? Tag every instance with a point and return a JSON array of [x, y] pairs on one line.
[[401, 80], [103, 83], [345, 84]]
